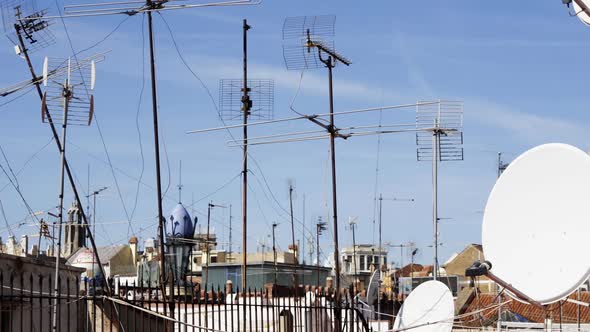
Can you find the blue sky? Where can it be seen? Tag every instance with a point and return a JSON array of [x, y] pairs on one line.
[[516, 66]]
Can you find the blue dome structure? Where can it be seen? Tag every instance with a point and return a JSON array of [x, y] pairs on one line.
[[179, 229], [179, 223]]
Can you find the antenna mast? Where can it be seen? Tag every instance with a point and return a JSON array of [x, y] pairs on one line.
[[445, 119], [246, 105], [294, 245], [59, 97], [300, 56]]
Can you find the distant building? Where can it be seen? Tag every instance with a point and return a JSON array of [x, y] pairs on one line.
[[75, 231], [115, 259], [261, 274], [359, 262]]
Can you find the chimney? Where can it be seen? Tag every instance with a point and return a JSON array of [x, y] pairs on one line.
[[133, 246], [24, 245]]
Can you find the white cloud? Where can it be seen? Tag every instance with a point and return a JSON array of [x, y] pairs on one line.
[[527, 126]]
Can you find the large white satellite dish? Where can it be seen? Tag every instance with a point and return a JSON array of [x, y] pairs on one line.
[[535, 228], [429, 308], [580, 12]]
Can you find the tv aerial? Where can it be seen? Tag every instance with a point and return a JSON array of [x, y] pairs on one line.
[[428, 308], [443, 141], [534, 230], [26, 26], [66, 92]]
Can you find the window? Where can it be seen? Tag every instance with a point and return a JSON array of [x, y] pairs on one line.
[[384, 260], [362, 262]]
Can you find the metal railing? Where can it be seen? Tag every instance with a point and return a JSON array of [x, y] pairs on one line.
[[27, 302]]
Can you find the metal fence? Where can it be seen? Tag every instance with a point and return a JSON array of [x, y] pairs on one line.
[[27, 303]]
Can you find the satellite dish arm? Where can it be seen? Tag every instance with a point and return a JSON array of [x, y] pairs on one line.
[[483, 269]]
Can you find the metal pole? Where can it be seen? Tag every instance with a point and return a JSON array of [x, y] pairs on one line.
[[66, 94], [93, 230], [158, 178], [354, 279], [274, 252], [230, 231], [295, 247], [318, 229], [59, 147], [246, 110], [303, 237], [435, 146], [379, 259], [334, 197], [207, 245]]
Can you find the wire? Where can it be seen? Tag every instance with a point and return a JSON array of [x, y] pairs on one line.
[[216, 190], [95, 114], [9, 167], [167, 162], [376, 188], [20, 194], [137, 117], [17, 97], [28, 161], [208, 91], [104, 38], [6, 220]]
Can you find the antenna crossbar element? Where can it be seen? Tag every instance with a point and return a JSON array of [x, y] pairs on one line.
[[22, 17], [128, 8], [362, 110], [260, 99]]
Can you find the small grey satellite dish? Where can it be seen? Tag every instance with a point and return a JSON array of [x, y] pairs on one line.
[[535, 228], [580, 12], [373, 289], [429, 308]]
